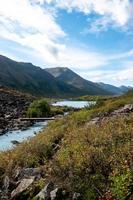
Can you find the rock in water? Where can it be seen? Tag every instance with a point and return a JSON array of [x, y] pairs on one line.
[[15, 142]]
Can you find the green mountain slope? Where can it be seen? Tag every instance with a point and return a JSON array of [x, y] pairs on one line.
[[29, 78]]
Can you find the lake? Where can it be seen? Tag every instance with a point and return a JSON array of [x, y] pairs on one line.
[[21, 135], [73, 104]]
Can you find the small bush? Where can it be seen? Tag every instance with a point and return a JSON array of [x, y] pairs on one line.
[[39, 108]]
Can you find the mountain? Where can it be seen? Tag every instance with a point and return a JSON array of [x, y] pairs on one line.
[[50, 82], [113, 89], [29, 78], [73, 79], [125, 88]]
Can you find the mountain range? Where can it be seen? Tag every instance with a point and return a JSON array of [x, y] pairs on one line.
[[50, 82]]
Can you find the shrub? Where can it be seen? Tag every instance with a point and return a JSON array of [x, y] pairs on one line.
[[39, 108], [121, 185]]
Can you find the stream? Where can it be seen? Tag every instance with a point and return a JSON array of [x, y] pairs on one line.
[[6, 140]]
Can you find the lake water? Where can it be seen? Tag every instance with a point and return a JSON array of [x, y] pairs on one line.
[[6, 139], [73, 104]]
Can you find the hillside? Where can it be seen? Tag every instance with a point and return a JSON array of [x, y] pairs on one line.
[[73, 79], [115, 90], [13, 105], [87, 156], [29, 78]]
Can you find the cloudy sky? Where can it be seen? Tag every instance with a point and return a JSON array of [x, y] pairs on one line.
[[92, 37]]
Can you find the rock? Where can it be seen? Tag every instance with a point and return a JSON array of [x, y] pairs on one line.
[[94, 121], [28, 172], [56, 147], [2, 131], [128, 107], [76, 196], [124, 110], [45, 193], [6, 184], [12, 106], [56, 194], [15, 142], [23, 186]]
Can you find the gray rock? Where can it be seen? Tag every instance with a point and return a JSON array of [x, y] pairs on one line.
[[128, 107], [6, 184], [15, 142], [45, 193], [94, 121], [76, 196], [56, 194], [2, 131], [23, 186], [28, 172]]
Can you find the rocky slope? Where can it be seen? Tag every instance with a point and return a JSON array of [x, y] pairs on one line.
[[12, 106]]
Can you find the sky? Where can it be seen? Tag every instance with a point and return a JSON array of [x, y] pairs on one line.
[[92, 37]]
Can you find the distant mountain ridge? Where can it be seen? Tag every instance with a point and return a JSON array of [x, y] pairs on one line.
[[73, 79], [49, 82], [115, 90], [70, 77], [31, 79]]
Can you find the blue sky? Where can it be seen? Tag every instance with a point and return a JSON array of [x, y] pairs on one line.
[[92, 37]]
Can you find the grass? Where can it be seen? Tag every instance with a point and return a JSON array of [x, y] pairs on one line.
[[95, 160]]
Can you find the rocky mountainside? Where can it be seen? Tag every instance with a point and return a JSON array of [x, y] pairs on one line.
[[12, 106], [29, 78]]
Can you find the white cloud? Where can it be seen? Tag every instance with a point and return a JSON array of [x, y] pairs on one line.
[[31, 26], [79, 58], [35, 27], [116, 77], [110, 12]]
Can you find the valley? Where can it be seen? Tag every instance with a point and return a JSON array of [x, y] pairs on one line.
[[94, 142], [66, 100], [85, 153]]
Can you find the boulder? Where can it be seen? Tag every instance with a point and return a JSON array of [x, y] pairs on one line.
[[76, 196], [23, 186], [28, 172], [15, 142], [56, 194], [45, 192], [6, 183]]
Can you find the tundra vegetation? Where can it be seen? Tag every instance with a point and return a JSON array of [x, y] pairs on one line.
[[95, 160]]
